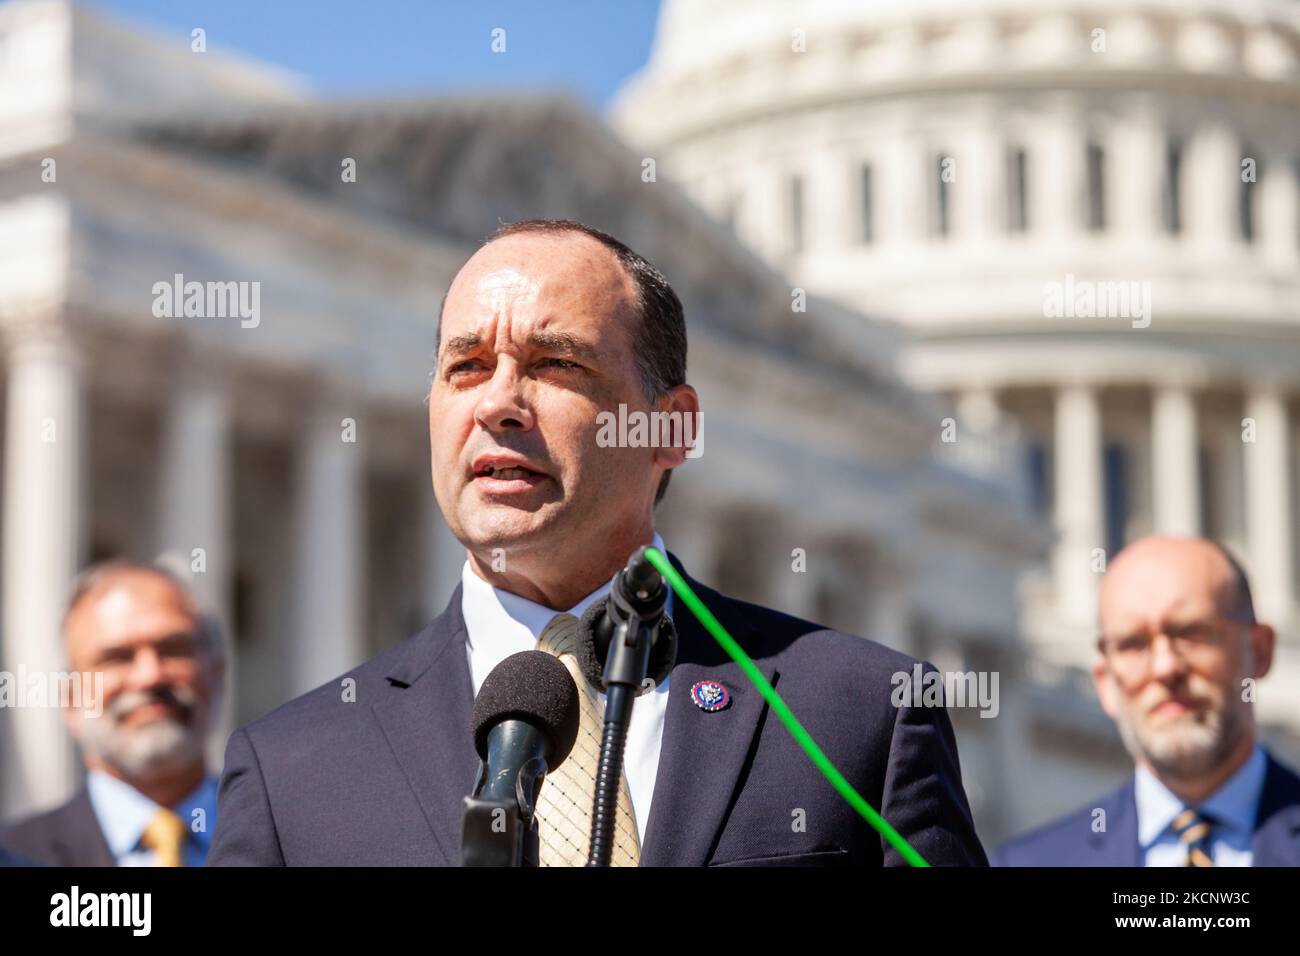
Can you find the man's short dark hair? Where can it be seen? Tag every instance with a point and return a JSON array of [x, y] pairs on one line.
[[660, 342]]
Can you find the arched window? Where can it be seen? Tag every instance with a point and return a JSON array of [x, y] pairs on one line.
[[1096, 165], [1017, 201], [1115, 484], [865, 199], [1246, 195], [796, 209], [941, 195], [1171, 211]]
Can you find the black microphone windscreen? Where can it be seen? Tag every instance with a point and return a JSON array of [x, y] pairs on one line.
[[591, 651], [533, 686], [593, 647]]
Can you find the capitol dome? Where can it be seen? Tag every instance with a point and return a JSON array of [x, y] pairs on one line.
[[1086, 217]]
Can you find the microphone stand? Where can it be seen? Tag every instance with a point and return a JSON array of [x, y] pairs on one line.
[[635, 611]]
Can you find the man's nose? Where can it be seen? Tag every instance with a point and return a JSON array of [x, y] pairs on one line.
[[1165, 661], [503, 404], [146, 669]]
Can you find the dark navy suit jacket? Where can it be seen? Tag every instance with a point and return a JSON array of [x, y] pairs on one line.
[[1071, 841], [380, 781], [68, 835]]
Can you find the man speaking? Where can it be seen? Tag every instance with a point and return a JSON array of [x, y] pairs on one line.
[[548, 325]]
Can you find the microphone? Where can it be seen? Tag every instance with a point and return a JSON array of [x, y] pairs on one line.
[[626, 646], [638, 591], [525, 723]]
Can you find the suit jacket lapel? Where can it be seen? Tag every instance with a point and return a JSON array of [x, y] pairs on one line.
[[427, 722], [703, 756], [1276, 841], [1117, 845], [80, 840]]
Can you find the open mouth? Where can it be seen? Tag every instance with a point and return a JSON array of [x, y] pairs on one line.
[[504, 478], [508, 474]]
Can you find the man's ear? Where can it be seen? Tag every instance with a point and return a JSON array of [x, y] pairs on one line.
[[683, 403], [1105, 685], [1263, 639]]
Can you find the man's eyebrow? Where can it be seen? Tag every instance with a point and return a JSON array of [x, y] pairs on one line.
[[462, 344], [563, 342]]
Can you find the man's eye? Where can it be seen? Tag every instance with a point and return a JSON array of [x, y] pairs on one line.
[[465, 366], [559, 363]]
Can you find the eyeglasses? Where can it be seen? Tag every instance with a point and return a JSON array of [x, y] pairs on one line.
[[1193, 640]]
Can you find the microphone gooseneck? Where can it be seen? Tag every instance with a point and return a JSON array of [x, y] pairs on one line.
[[627, 646]]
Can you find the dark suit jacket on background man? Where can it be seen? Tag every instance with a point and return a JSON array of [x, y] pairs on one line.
[[68, 835], [1073, 842]]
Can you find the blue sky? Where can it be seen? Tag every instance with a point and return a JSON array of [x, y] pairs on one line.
[[365, 47]]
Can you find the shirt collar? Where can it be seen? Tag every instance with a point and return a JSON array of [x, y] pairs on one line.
[[501, 615], [1233, 805], [123, 812]]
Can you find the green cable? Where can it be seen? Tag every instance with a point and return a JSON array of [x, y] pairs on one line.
[[801, 736]]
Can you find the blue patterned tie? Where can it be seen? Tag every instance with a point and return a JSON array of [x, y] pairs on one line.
[[1194, 829]]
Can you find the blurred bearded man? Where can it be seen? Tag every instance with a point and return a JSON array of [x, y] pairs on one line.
[[1179, 655], [148, 799]]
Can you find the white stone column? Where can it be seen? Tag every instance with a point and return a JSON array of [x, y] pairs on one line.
[[444, 556], [980, 192], [889, 614], [1278, 210], [765, 222], [904, 174], [1211, 188], [1057, 177], [330, 554], [1267, 462], [690, 532], [794, 591], [978, 410], [194, 509], [832, 203], [1080, 506], [1174, 462], [1135, 169], [44, 510]]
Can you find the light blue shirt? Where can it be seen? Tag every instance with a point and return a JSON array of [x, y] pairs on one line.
[[1233, 807], [124, 812]]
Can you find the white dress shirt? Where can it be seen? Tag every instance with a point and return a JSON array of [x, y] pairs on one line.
[[1233, 807], [499, 624]]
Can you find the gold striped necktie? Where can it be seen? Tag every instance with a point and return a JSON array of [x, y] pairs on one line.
[[165, 835], [564, 803], [1193, 831]]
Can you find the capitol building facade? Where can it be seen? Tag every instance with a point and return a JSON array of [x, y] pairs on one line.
[[1086, 218], [283, 457], [975, 291]]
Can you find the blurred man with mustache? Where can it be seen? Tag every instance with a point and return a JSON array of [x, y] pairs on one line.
[[1178, 657], [148, 799]]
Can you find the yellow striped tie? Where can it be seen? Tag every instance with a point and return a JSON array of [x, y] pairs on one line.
[[564, 803], [1194, 833], [165, 835]]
